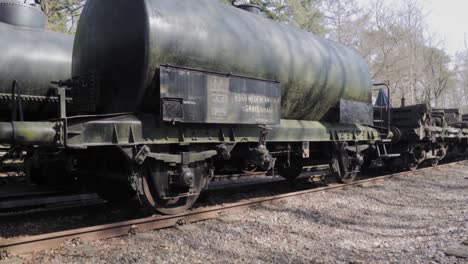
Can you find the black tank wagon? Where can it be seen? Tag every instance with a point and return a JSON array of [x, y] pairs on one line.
[[30, 59], [169, 94], [314, 73]]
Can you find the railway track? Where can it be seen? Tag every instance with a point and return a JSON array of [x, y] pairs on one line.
[[46, 200], [23, 245], [61, 205], [23, 198], [22, 202]]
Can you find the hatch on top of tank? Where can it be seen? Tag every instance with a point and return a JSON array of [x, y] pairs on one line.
[[247, 5]]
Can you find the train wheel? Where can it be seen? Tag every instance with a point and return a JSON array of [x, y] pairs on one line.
[[245, 167], [344, 165], [290, 171], [160, 193]]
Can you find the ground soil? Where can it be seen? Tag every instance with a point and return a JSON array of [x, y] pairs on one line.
[[417, 219]]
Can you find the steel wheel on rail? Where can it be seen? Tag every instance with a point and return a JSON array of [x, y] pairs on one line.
[[161, 191], [292, 169], [345, 165], [245, 167]]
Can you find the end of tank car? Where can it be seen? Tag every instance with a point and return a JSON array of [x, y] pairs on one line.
[[180, 102], [30, 59]]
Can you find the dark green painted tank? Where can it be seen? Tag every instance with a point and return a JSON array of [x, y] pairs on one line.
[[31, 56], [122, 44]]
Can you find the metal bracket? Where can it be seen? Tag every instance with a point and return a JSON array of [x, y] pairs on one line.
[[184, 158], [62, 97], [305, 149], [17, 105], [224, 150], [264, 130]]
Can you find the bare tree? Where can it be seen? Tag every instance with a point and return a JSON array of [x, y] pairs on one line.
[[62, 15], [412, 21], [438, 77], [344, 20]]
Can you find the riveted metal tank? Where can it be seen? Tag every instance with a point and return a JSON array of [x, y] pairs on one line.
[[31, 56], [123, 43]]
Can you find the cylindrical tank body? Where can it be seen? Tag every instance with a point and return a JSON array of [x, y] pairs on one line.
[[19, 13], [123, 43], [33, 58]]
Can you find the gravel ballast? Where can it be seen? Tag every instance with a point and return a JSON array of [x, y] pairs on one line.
[[418, 219]]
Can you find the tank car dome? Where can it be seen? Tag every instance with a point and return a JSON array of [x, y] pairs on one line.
[[22, 14]]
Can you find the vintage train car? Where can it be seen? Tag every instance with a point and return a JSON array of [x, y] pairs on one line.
[[30, 59], [422, 134], [196, 89]]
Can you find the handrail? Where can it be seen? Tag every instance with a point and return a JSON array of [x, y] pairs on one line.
[[388, 105]]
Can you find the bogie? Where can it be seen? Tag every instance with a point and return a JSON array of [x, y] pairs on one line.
[[172, 189]]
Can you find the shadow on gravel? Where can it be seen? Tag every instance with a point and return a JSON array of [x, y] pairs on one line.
[[360, 225], [418, 183], [43, 223], [40, 223]]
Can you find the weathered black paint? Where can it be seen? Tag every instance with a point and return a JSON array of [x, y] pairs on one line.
[[351, 112], [412, 116], [34, 58], [194, 96], [452, 116], [15, 12], [123, 43]]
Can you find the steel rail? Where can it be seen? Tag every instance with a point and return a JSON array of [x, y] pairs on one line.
[[40, 198], [47, 241], [36, 201]]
